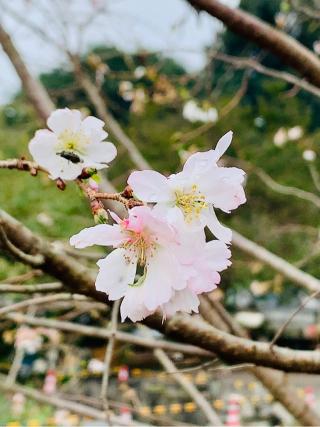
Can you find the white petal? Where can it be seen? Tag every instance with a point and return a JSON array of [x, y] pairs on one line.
[[218, 254], [64, 169], [93, 127], [223, 144], [185, 300], [218, 230], [164, 275], [115, 274], [63, 119], [42, 146], [223, 188], [150, 186], [102, 234], [100, 153], [132, 305], [199, 163]]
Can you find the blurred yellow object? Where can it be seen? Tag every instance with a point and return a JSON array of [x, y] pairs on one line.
[[159, 409], [144, 411], [218, 404], [190, 407], [175, 408], [238, 384]]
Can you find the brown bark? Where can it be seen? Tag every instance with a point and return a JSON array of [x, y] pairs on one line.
[[79, 279], [272, 379], [254, 29]]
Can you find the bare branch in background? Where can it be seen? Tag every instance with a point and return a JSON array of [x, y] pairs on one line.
[[299, 277], [30, 289], [98, 102], [239, 62], [254, 29], [273, 380], [106, 334], [283, 327], [35, 91], [40, 300], [188, 386], [62, 403], [33, 260], [108, 358]]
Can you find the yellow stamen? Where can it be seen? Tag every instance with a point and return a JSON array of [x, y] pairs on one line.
[[191, 203], [73, 141]]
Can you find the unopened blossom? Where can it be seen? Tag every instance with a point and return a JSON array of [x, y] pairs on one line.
[[194, 193], [71, 144], [295, 133], [280, 137], [142, 244], [309, 155]]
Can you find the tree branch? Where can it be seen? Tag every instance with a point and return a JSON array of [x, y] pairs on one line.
[[34, 89], [254, 29]]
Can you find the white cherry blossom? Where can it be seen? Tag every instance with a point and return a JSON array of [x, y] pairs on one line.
[[194, 193], [71, 144]]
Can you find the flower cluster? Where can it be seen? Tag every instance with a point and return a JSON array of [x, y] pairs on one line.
[[160, 257]]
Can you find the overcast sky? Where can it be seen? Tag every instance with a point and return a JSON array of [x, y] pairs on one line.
[[170, 26]]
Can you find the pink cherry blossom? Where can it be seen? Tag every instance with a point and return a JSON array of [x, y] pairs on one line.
[[173, 265], [194, 193], [141, 241]]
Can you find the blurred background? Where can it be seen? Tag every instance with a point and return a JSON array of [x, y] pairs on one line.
[[169, 77]]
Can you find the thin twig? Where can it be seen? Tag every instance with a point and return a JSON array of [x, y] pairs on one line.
[[30, 289], [41, 300], [108, 358], [104, 333], [189, 387], [286, 323], [33, 260], [20, 278], [63, 403], [22, 165], [257, 66]]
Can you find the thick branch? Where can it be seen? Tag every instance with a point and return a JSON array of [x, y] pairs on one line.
[[78, 279], [280, 44], [33, 88], [273, 380]]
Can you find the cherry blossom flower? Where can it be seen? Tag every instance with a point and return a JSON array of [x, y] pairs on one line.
[[71, 144], [141, 241], [194, 193], [172, 275]]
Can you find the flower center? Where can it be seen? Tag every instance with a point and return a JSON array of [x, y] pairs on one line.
[[71, 141], [138, 248], [191, 203]]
